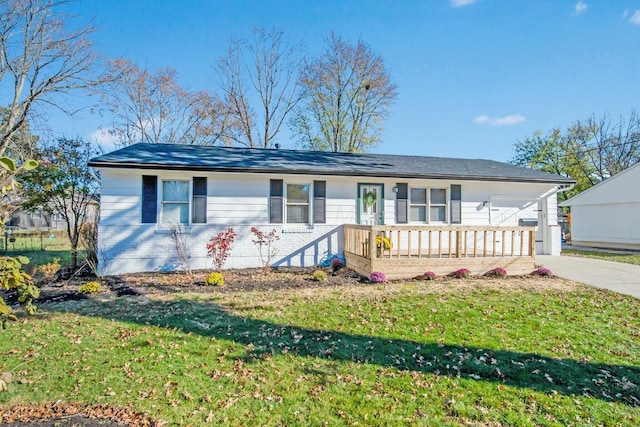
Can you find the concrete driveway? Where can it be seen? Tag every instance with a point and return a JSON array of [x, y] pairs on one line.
[[615, 276]]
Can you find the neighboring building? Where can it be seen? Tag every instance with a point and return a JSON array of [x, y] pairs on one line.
[[37, 220], [307, 197], [41, 219], [606, 215]]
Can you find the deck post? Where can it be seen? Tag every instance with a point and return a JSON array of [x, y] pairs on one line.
[[532, 242], [372, 244]]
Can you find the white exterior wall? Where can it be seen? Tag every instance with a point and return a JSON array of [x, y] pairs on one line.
[[606, 215], [241, 201], [612, 225]]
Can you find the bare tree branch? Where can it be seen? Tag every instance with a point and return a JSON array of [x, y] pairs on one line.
[[154, 108], [41, 58], [262, 71], [347, 95]]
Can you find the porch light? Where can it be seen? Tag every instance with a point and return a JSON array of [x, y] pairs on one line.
[[395, 189]]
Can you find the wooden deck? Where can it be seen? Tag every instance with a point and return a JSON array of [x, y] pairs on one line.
[[412, 250]]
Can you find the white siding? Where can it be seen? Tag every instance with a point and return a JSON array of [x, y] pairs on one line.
[[606, 215], [620, 188], [241, 201], [613, 225]]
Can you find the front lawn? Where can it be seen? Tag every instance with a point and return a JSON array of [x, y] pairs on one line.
[[491, 352], [607, 256]]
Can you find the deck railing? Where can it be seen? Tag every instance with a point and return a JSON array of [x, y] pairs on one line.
[[416, 241]]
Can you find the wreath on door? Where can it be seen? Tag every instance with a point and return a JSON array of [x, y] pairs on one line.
[[370, 198]]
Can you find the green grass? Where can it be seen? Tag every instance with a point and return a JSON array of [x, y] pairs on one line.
[[607, 256], [21, 242], [40, 249], [38, 258], [393, 355]]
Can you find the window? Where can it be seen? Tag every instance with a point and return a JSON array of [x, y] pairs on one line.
[[175, 202], [297, 207], [177, 199], [427, 211], [418, 207], [297, 204], [437, 205]]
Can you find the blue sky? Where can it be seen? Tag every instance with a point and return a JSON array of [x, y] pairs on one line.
[[473, 76]]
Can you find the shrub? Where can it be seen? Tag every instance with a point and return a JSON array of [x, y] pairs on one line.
[[497, 272], [90, 288], [214, 279], [12, 276], [179, 236], [319, 276], [265, 242], [378, 277], [542, 272], [50, 269], [220, 246], [462, 273], [430, 275], [336, 264]]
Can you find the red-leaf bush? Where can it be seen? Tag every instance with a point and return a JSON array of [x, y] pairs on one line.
[[220, 246]]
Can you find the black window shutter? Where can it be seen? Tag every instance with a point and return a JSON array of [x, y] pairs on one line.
[[402, 207], [276, 194], [456, 204], [199, 208], [319, 202], [149, 199]]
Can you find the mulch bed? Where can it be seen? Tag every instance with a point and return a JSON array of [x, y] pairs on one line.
[[240, 280]]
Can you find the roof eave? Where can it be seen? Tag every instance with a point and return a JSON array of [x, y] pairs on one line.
[[149, 166]]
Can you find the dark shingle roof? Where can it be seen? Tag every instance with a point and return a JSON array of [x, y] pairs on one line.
[[227, 159]]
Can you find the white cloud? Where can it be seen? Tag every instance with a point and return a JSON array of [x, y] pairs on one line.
[[580, 7], [635, 18], [482, 119], [104, 139], [461, 3], [513, 119]]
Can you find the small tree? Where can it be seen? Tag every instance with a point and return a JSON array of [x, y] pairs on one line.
[[180, 239], [220, 246], [265, 242], [64, 185]]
